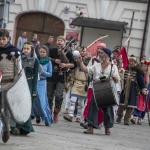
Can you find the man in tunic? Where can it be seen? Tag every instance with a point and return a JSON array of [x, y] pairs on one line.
[[79, 89], [100, 70], [7, 65], [56, 83], [133, 84]]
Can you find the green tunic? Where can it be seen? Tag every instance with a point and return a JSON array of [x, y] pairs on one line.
[[27, 127]]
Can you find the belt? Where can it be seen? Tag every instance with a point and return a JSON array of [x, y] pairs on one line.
[[7, 81], [43, 79], [29, 78]]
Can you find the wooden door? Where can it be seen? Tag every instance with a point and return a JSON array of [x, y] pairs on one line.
[[44, 25]]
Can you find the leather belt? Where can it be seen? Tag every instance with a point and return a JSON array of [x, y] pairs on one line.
[[7, 81], [29, 78], [43, 79]]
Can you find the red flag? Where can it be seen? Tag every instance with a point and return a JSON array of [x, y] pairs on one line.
[[123, 58], [92, 48]]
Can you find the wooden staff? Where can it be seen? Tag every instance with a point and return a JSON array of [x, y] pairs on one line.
[[130, 31], [147, 110]]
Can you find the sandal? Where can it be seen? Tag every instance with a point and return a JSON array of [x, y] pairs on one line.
[[66, 112], [68, 118], [107, 131], [78, 120], [139, 121]]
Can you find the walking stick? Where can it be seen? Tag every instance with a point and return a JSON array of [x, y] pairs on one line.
[[147, 109]]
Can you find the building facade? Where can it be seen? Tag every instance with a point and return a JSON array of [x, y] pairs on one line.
[[52, 17]]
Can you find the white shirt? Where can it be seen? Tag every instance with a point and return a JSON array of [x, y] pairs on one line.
[[96, 70]]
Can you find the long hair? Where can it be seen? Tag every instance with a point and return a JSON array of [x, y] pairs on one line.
[[45, 48], [147, 74], [32, 48]]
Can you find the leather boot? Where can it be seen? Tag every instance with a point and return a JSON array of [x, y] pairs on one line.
[[56, 112], [5, 136], [55, 116], [90, 130]]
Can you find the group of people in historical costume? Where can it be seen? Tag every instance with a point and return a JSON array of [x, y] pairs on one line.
[[10, 68], [54, 71], [99, 70], [12, 61], [133, 84]]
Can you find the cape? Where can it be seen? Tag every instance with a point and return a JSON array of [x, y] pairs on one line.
[[8, 51]]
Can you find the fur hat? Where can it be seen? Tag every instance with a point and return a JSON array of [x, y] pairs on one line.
[[61, 37], [132, 57]]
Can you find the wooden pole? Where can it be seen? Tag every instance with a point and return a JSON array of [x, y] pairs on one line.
[[97, 40], [126, 41], [147, 110], [130, 31]]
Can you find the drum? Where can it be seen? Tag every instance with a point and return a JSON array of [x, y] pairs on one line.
[[105, 93]]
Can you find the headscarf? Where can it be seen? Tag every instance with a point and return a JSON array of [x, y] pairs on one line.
[[107, 51], [102, 45]]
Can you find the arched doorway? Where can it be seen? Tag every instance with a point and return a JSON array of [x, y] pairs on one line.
[[40, 23]]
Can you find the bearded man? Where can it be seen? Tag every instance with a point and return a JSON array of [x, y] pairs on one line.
[[98, 70], [93, 61], [56, 83], [79, 89]]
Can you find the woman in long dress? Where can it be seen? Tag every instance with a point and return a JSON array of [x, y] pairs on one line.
[[31, 66], [41, 106]]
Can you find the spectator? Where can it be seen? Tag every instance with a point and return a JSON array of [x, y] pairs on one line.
[[78, 48], [116, 51], [35, 43], [143, 57], [49, 42], [21, 40]]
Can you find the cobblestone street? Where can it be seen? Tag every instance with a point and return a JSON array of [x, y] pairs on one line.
[[69, 136]]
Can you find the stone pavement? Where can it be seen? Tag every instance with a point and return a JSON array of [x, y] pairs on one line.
[[69, 136]]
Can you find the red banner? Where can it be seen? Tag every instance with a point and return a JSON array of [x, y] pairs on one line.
[[74, 34], [123, 58], [92, 49]]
